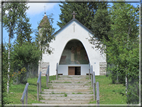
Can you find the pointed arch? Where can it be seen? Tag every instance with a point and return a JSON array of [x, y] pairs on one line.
[[74, 52]]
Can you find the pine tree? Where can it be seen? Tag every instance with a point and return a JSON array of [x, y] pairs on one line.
[[94, 15], [85, 13], [101, 23]]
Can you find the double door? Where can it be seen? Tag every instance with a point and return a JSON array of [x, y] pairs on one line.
[[74, 71]]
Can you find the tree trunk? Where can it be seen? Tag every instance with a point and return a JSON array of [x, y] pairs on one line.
[[8, 64]]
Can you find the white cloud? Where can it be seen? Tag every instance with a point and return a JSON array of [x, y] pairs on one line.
[[36, 8]]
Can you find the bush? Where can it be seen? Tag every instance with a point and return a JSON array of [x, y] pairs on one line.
[[23, 56], [133, 91]]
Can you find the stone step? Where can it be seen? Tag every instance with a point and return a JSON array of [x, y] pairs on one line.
[[66, 81], [69, 82], [67, 90], [78, 93], [68, 95], [73, 77], [68, 98], [72, 86], [64, 102], [73, 80], [63, 105]]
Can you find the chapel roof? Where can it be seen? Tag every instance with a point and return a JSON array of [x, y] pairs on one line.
[[71, 22], [44, 21]]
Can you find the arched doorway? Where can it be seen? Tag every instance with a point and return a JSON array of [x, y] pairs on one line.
[[74, 57]]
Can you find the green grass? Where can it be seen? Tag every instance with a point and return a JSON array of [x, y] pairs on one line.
[[16, 91], [53, 92], [79, 93], [110, 93], [65, 94]]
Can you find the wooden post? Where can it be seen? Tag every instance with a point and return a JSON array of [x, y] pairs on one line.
[[57, 71], [27, 96], [91, 79], [38, 91], [48, 73], [89, 73], [23, 96], [47, 77], [98, 98], [46, 80], [94, 83], [40, 83], [22, 103]]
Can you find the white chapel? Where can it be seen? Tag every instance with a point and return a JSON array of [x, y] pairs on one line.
[[73, 52]]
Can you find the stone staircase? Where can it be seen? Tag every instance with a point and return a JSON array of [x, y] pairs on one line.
[[72, 89]]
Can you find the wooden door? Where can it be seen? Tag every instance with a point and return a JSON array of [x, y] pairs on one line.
[[77, 70], [71, 71]]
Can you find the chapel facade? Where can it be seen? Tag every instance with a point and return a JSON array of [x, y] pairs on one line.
[[72, 51]]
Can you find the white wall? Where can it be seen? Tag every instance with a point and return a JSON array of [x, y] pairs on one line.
[[63, 37], [63, 69]]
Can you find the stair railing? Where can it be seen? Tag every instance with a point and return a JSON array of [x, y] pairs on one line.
[[57, 71], [89, 72], [94, 84], [47, 76], [25, 92], [98, 98], [91, 69], [38, 85]]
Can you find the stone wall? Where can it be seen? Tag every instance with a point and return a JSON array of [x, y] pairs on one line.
[[103, 66], [33, 71], [44, 66]]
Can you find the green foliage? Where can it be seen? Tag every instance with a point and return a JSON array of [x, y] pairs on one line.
[[22, 56], [11, 13], [133, 91], [27, 53], [4, 75], [122, 48], [101, 23], [85, 13], [23, 30]]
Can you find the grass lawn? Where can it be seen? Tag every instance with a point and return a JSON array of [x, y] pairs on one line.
[[16, 91], [110, 93]]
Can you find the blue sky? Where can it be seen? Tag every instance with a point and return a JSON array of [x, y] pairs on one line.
[[36, 13]]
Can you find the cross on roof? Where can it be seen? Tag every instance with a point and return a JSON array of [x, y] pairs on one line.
[[74, 14], [44, 10]]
